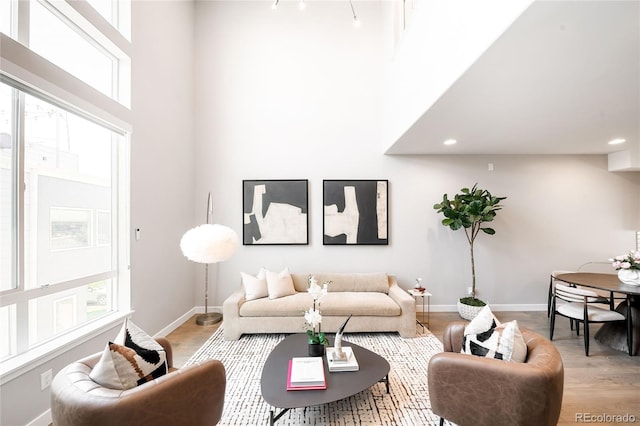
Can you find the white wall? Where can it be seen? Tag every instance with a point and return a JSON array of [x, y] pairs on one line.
[[442, 40], [291, 95], [162, 161]]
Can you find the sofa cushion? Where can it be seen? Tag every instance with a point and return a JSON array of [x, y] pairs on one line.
[[333, 304], [255, 287], [133, 359], [359, 304], [359, 282], [279, 284], [289, 306]]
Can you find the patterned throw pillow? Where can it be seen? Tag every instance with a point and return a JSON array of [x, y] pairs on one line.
[[132, 359], [485, 336]]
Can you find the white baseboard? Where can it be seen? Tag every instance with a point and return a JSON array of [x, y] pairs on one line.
[[200, 309], [495, 308], [177, 323], [184, 318], [43, 419]]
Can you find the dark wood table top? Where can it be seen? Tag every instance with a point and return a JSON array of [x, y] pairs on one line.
[[608, 282], [340, 385]]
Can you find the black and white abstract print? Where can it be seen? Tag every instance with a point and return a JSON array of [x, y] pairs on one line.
[[355, 212], [275, 212]]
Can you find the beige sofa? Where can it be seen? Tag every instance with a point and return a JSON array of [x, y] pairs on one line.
[[375, 300]]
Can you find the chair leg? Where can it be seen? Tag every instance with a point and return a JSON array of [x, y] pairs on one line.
[[552, 324], [549, 296], [629, 326], [586, 337]]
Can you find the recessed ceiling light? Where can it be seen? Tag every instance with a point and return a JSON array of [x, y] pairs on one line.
[[450, 142], [617, 141]]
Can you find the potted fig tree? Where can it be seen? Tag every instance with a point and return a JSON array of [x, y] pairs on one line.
[[470, 210]]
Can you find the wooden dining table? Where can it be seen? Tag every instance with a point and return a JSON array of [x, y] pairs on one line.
[[612, 334]]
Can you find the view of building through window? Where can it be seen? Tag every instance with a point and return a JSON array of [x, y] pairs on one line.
[[61, 171], [68, 197]]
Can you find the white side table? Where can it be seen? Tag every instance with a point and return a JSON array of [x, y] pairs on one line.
[[422, 294]]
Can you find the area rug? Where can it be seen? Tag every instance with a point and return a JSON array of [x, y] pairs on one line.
[[407, 403]]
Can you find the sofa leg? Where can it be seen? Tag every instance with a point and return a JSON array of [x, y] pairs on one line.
[[441, 421]]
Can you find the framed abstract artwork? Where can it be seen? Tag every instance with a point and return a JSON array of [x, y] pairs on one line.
[[355, 212], [275, 212]]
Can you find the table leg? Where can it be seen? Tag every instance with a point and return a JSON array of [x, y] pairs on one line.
[[272, 419], [385, 380], [614, 334], [417, 320]]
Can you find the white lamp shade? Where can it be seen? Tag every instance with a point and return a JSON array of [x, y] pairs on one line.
[[209, 243]]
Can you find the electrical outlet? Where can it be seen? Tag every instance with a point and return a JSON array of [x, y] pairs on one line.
[[469, 291], [45, 379]]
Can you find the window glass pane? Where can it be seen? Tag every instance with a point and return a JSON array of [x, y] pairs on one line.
[[103, 228], [5, 16], [54, 40], [6, 189], [68, 162], [70, 228], [56, 313], [7, 331]]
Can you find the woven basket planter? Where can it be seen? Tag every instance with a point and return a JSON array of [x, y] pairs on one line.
[[468, 312]]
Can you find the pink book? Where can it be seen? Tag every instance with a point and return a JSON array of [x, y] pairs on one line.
[[291, 387]]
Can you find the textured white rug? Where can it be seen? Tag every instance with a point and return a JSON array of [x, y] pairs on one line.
[[406, 404]]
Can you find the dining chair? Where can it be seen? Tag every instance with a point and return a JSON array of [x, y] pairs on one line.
[[552, 281], [601, 268], [574, 304]]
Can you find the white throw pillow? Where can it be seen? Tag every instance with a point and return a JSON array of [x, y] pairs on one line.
[[254, 287], [280, 284], [132, 359], [485, 336]]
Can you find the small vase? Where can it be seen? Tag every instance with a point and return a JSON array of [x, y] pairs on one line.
[[629, 276], [316, 349]]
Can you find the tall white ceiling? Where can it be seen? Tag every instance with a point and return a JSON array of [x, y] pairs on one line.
[[563, 79]]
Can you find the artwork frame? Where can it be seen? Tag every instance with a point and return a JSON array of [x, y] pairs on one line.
[[368, 202], [283, 212]]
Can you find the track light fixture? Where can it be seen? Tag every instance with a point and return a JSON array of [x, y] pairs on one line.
[[302, 5], [356, 22]]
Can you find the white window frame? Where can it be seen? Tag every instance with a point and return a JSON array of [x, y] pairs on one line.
[[28, 72]]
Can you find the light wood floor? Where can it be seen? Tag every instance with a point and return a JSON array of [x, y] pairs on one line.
[[605, 383]]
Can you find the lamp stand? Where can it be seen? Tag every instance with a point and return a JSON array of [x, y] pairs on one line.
[[208, 318]]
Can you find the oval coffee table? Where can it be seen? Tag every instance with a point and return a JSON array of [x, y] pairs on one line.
[[340, 385]]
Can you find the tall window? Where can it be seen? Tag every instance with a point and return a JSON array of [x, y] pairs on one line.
[[63, 179]]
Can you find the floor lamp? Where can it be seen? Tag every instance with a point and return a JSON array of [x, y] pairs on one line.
[[209, 243]]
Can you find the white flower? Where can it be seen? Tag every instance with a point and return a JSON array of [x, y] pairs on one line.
[[315, 290], [313, 317]]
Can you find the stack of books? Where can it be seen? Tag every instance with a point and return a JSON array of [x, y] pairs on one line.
[[349, 363], [306, 373]]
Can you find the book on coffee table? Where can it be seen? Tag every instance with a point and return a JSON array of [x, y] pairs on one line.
[[306, 373], [350, 363]]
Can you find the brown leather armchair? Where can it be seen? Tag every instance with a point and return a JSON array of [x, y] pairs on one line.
[[193, 395], [471, 390]]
